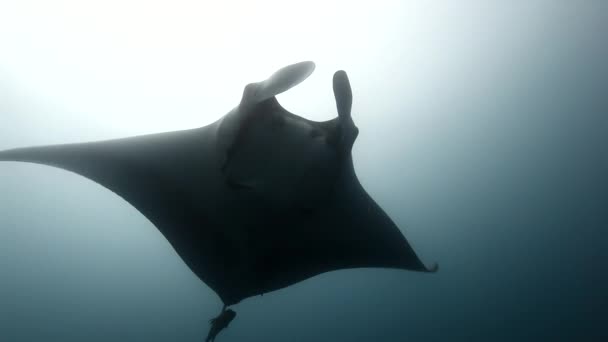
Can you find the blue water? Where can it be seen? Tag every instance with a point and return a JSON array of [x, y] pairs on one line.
[[483, 134]]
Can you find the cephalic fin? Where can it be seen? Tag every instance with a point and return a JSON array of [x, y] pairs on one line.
[[279, 82]]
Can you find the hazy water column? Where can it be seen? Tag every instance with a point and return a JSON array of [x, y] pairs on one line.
[[483, 134]]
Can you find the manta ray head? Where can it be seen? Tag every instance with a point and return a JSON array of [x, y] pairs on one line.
[[285, 158]]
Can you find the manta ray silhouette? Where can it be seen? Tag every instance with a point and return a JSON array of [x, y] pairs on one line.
[[254, 202]]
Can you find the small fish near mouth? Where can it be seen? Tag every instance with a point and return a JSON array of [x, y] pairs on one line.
[[220, 323]]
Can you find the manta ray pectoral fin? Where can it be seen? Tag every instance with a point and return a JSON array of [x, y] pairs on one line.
[[240, 185], [433, 268]]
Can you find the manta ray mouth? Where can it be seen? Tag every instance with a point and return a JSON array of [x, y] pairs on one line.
[[259, 100]]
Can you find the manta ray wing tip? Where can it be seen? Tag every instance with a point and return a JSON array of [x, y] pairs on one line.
[[433, 268]]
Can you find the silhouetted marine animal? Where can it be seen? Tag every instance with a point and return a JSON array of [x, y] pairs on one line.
[[219, 323], [254, 202]]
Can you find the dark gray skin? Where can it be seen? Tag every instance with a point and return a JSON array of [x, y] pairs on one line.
[[254, 202], [220, 323]]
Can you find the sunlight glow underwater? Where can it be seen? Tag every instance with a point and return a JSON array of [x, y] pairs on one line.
[[482, 135]]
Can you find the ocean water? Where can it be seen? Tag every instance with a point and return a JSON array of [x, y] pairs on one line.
[[483, 134]]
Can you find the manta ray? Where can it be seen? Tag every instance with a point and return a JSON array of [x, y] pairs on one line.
[[254, 202]]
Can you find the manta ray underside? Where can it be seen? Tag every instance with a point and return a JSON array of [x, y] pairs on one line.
[[254, 202]]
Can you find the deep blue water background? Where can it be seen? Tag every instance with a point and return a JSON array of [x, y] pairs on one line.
[[500, 175]]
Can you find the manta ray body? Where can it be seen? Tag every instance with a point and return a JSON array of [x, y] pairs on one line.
[[254, 202]]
